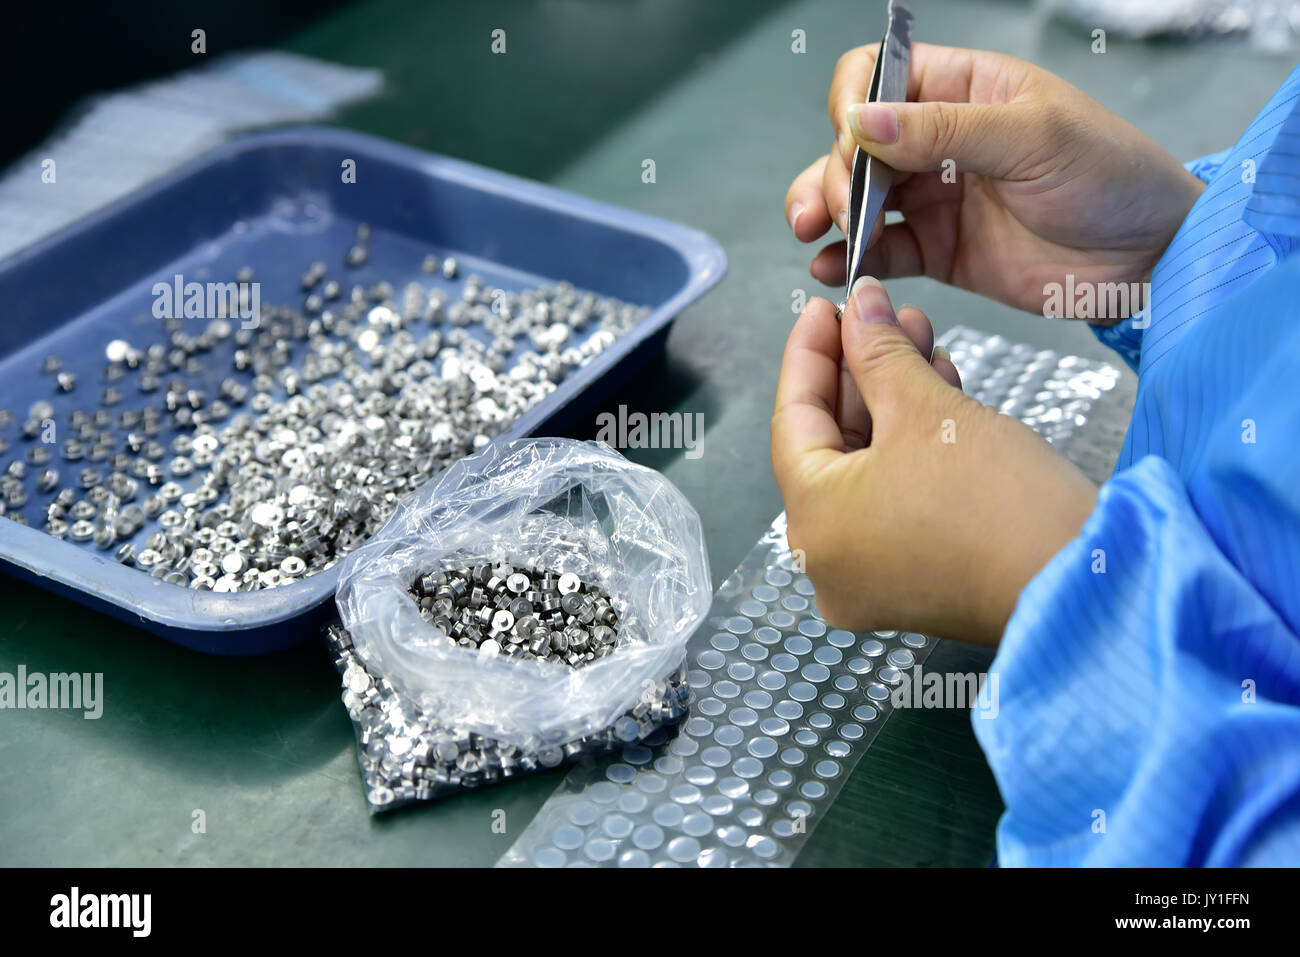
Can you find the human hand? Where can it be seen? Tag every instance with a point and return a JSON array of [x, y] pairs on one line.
[[1044, 181], [931, 512]]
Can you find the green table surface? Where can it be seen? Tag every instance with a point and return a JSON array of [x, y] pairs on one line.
[[586, 90]]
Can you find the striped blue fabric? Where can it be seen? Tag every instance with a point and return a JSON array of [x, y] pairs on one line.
[[1149, 678]]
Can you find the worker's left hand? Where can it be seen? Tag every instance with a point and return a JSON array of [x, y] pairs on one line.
[[931, 513]]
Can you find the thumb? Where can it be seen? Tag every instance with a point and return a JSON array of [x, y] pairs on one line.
[[988, 139], [880, 356]]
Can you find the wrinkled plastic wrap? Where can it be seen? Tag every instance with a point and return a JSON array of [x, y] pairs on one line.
[[559, 504]]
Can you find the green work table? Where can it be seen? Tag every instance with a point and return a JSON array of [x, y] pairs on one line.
[[585, 92]]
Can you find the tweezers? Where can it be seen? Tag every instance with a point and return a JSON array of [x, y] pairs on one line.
[[871, 178]]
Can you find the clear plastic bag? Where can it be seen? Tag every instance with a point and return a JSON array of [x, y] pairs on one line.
[[563, 505]]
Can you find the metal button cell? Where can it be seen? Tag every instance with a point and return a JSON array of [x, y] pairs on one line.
[[771, 681], [820, 720], [762, 747]]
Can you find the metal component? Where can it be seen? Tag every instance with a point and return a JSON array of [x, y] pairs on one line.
[[333, 410], [784, 707]]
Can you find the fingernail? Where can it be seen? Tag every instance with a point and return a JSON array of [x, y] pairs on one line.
[[842, 219], [939, 352], [877, 122], [870, 301], [796, 211]]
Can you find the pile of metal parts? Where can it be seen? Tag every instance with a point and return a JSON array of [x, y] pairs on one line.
[[408, 755], [331, 410], [525, 613]]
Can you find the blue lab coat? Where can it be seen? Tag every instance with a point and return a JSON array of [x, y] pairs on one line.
[[1148, 706]]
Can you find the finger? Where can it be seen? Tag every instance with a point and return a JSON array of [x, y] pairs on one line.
[[881, 355], [895, 255], [805, 204], [850, 84], [918, 328], [807, 392], [941, 362], [853, 418], [935, 73], [835, 187], [919, 137], [828, 265]]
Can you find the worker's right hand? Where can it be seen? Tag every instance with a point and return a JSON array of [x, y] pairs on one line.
[[1008, 179]]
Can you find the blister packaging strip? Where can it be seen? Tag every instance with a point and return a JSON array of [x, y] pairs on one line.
[[784, 707]]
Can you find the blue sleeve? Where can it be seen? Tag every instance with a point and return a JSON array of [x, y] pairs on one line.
[[1147, 698], [1124, 337]]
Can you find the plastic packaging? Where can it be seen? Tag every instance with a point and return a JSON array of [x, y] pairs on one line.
[[564, 505]]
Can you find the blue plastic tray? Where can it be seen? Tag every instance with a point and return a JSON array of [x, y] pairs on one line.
[[276, 201]]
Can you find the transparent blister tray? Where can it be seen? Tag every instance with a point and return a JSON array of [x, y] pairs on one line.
[[784, 707]]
